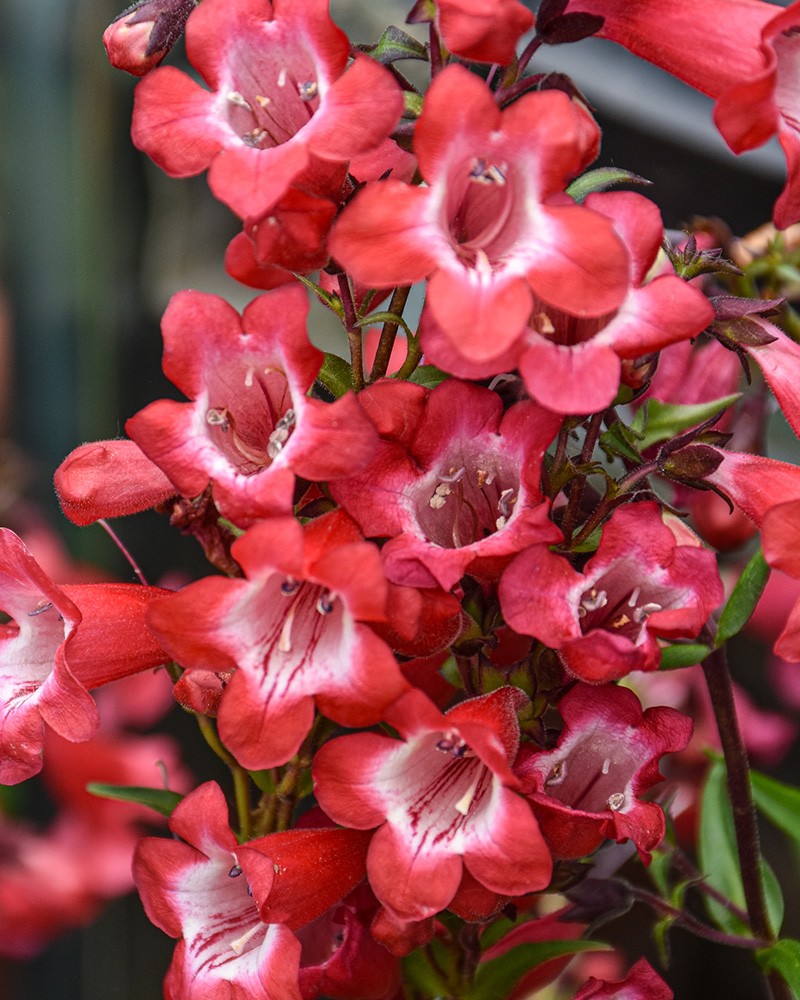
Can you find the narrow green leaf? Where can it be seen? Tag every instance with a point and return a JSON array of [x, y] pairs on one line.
[[784, 957], [160, 799], [376, 318], [744, 598], [601, 179], [498, 976], [428, 375], [667, 420], [617, 441], [780, 803], [333, 302], [658, 870], [336, 375], [717, 855], [673, 657], [719, 859]]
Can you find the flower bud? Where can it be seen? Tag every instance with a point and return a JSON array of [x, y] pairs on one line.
[[139, 38]]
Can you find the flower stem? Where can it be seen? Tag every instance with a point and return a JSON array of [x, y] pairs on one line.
[[388, 334], [354, 335], [241, 787]]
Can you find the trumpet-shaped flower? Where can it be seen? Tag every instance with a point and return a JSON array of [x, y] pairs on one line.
[[641, 584], [294, 630], [588, 787], [443, 799], [492, 230], [280, 93], [250, 426]]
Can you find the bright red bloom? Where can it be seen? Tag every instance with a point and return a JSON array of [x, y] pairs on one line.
[[755, 483], [492, 228], [572, 364], [60, 642], [607, 755], [605, 621], [109, 479], [641, 983], [743, 53], [454, 483], [293, 629], [280, 94], [236, 943], [483, 30], [250, 427], [442, 799]]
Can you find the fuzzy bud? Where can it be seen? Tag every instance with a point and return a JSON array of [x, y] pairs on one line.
[[139, 38]]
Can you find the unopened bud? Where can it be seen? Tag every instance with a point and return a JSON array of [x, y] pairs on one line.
[[692, 464], [139, 38]]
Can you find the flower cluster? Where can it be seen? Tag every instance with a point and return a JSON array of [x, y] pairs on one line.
[[435, 597]]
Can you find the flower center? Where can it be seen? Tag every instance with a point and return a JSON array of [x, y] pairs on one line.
[[612, 605], [481, 212], [467, 504], [589, 783]]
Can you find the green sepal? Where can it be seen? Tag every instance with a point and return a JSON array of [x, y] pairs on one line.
[[620, 441], [667, 420], [498, 976], [742, 602], [333, 302], [374, 319], [395, 44], [783, 957], [263, 781], [677, 656], [428, 375], [412, 104], [160, 799], [336, 375], [600, 180]]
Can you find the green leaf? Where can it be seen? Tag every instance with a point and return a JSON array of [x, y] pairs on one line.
[[428, 375], [395, 44], [673, 657], [336, 375], [744, 598], [160, 799], [619, 442], [783, 957], [498, 976], [780, 803], [601, 179], [667, 420], [376, 318], [658, 870], [263, 781], [719, 859]]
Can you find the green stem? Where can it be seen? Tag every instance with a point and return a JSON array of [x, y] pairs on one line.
[[241, 786], [388, 334], [413, 358], [692, 924], [354, 335]]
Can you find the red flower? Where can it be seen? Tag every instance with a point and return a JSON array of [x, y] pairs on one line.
[[607, 755], [743, 53], [250, 426], [443, 800], [492, 227], [454, 484], [483, 30], [641, 983], [60, 642], [641, 584], [279, 96], [293, 629]]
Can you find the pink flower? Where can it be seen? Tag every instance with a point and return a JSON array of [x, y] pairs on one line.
[[443, 800], [138, 39], [293, 629], [280, 94], [641, 983], [492, 228], [454, 483], [481, 30], [572, 364], [588, 787], [743, 53], [605, 621], [753, 482], [250, 427], [236, 908], [60, 642]]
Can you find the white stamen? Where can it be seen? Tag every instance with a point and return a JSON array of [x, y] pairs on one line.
[[606, 765], [499, 379], [237, 946], [597, 599], [465, 801], [634, 597], [285, 641], [282, 78], [236, 98], [248, 378], [500, 523], [325, 603], [307, 90], [218, 418], [289, 586], [616, 801], [543, 324], [641, 613], [263, 101]]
